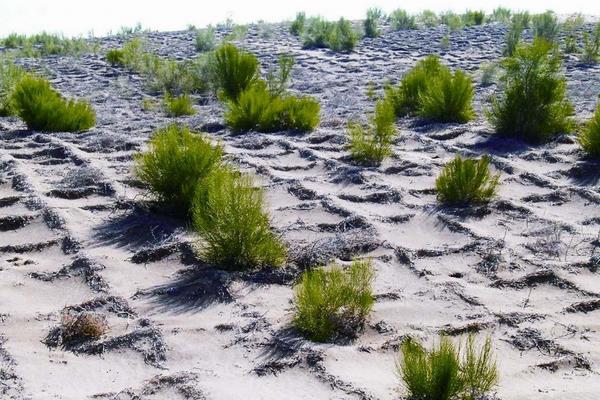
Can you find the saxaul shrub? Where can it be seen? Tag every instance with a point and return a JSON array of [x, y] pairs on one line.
[[489, 72], [533, 105], [278, 81], [589, 138], [448, 98], [337, 36], [466, 181], [591, 46], [297, 27], [513, 35], [500, 14], [10, 76], [176, 162], [233, 71], [442, 374], [343, 37], [370, 23], [428, 18], [177, 106], [546, 26], [471, 18], [229, 216], [334, 303], [401, 20], [205, 39], [370, 145], [115, 57], [453, 21], [46, 44], [44, 109]]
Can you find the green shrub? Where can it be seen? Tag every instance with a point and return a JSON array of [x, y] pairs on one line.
[[335, 302], [46, 44], [234, 229], [466, 181], [115, 57], [488, 73], [297, 27], [338, 36], [371, 145], [440, 374], [370, 23], [591, 46], [176, 162], [546, 26], [44, 109], [589, 138], [343, 37], [500, 14], [233, 70], [513, 36], [445, 42], [277, 83], [448, 98], [10, 76], [428, 18], [522, 18], [471, 18], [178, 105], [205, 39], [401, 20], [453, 21], [533, 106]]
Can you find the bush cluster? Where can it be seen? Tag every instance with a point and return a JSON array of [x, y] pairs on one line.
[[46, 44], [442, 374], [591, 46], [401, 20], [233, 71], [334, 303], [205, 39], [370, 23], [466, 181], [546, 26], [589, 138], [337, 36], [297, 26], [44, 109], [10, 76]]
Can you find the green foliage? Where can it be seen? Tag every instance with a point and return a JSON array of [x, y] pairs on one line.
[[10, 76], [46, 44], [445, 42], [522, 18], [488, 73], [277, 83], [500, 14], [176, 162], [440, 374], [589, 138], [401, 20], [339, 36], [428, 18], [229, 216], [533, 106], [343, 37], [297, 27], [471, 18], [115, 57], [546, 26], [370, 23], [591, 46], [233, 71], [205, 39], [448, 97], [44, 109], [453, 21], [372, 144], [466, 181], [176, 106], [513, 35], [335, 302]]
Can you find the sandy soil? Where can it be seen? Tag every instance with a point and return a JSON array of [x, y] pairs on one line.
[[76, 231]]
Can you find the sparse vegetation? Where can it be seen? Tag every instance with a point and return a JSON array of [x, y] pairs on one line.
[[176, 162], [513, 35], [233, 71], [338, 36], [428, 18], [591, 46], [589, 138], [546, 26], [177, 106], [500, 14], [372, 144], [115, 57], [234, 228], [370, 23], [448, 97], [401, 20], [334, 303], [471, 17], [533, 106], [466, 181], [205, 39], [297, 27], [10, 76], [44, 109], [45, 44]]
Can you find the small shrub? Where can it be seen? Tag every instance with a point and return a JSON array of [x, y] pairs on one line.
[[82, 326], [235, 231], [370, 23], [371, 145], [445, 42], [233, 70], [343, 36], [334, 303], [297, 27], [448, 98], [546, 26], [10, 76], [500, 14], [178, 106], [471, 18], [591, 46], [176, 161], [513, 36], [44, 109], [533, 106], [466, 181], [428, 18], [205, 39], [115, 57], [277, 83], [318, 32], [589, 138], [401, 20], [570, 46], [46, 44], [522, 18], [441, 374], [488, 73], [453, 21]]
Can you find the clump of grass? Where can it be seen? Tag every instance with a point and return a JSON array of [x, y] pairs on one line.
[[533, 106], [589, 138], [205, 39], [229, 216], [82, 326], [500, 14], [370, 23], [46, 44], [297, 27], [10, 76], [277, 82], [488, 73], [448, 98], [466, 181], [441, 374], [233, 71], [177, 106], [401, 20], [445, 42], [591, 46], [546, 26], [334, 303], [428, 18], [372, 144], [471, 17], [115, 57], [513, 35], [453, 21], [44, 109], [343, 37], [176, 162], [337, 36]]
